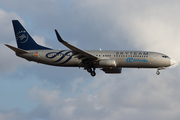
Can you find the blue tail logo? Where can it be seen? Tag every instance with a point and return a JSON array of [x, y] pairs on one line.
[[22, 36], [24, 40]]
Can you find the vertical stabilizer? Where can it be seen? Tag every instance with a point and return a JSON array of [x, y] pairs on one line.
[[24, 40]]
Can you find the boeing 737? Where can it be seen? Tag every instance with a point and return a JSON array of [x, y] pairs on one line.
[[108, 61]]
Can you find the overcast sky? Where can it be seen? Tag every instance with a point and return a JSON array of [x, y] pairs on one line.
[[32, 91]]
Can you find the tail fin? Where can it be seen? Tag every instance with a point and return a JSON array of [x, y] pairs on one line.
[[24, 40]]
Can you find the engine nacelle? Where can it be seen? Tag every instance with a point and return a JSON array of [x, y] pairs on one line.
[[107, 63]]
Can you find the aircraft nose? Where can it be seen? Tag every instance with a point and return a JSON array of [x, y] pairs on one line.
[[172, 62]]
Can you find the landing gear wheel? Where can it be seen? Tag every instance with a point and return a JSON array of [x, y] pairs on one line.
[[89, 70], [158, 72], [93, 73]]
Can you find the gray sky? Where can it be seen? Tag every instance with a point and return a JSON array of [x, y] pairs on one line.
[[33, 91]]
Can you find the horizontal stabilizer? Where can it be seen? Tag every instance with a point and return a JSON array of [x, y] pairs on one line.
[[17, 50]]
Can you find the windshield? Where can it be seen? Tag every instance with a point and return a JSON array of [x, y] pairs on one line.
[[165, 56]]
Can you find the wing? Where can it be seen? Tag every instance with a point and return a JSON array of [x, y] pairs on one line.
[[81, 54]]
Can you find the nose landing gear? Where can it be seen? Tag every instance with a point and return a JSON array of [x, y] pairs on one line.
[[160, 68], [158, 73]]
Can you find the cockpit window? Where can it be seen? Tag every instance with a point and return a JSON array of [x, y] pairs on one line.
[[165, 56]]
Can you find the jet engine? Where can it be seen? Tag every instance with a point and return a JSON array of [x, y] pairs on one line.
[[107, 63]]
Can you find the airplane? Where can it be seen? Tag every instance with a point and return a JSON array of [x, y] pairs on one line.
[[108, 61]]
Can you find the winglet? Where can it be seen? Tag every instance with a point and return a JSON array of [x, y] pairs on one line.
[[59, 37]]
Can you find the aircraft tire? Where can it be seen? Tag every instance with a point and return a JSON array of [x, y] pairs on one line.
[[158, 73], [89, 70], [93, 73]]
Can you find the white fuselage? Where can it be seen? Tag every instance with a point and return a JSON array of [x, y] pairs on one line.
[[131, 59]]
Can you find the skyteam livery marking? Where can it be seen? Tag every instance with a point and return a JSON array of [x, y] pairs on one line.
[[108, 61], [60, 55], [22, 36], [132, 53]]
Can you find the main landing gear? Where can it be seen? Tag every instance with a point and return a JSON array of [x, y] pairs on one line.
[[91, 71]]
